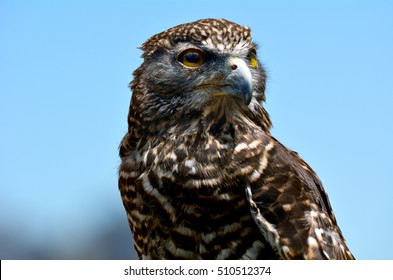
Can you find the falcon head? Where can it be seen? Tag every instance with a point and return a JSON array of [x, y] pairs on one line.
[[203, 68]]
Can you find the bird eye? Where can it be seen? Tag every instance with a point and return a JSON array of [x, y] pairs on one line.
[[192, 58], [253, 60]]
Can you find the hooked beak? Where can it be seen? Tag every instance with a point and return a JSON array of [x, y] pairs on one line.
[[238, 81]]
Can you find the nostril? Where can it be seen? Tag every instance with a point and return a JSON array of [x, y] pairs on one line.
[[233, 66]]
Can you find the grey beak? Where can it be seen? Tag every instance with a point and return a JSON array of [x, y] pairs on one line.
[[239, 80]]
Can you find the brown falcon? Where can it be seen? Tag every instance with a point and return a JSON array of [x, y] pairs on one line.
[[201, 177]]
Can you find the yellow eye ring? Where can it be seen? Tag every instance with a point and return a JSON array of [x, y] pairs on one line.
[[192, 58], [253, 60]]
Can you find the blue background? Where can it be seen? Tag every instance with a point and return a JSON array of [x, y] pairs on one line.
[[64, 97]]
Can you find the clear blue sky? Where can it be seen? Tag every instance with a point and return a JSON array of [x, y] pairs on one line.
[[64, 74]]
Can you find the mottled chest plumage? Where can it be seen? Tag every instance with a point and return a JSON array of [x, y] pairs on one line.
[[188, 200]]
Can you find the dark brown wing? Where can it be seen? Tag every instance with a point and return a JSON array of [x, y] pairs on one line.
[[292, 209]]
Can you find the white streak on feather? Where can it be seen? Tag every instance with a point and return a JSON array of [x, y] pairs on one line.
[[220, 46], [240, 147], [312, 242], [264, 159], [224, 254], [194, 183], [178, 252], [244, 170], [254, 176], [254, 144], [191, 163], [128, 174], [267, 229], [186, 231], [164, 202], [208, 237], [253, 252]]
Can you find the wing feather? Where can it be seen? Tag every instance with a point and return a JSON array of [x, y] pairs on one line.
[[292, 209]]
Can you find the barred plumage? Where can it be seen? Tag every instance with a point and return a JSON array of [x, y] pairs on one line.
[[201, 177]]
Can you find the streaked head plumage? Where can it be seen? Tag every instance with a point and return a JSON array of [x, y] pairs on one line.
[[196, 68]]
